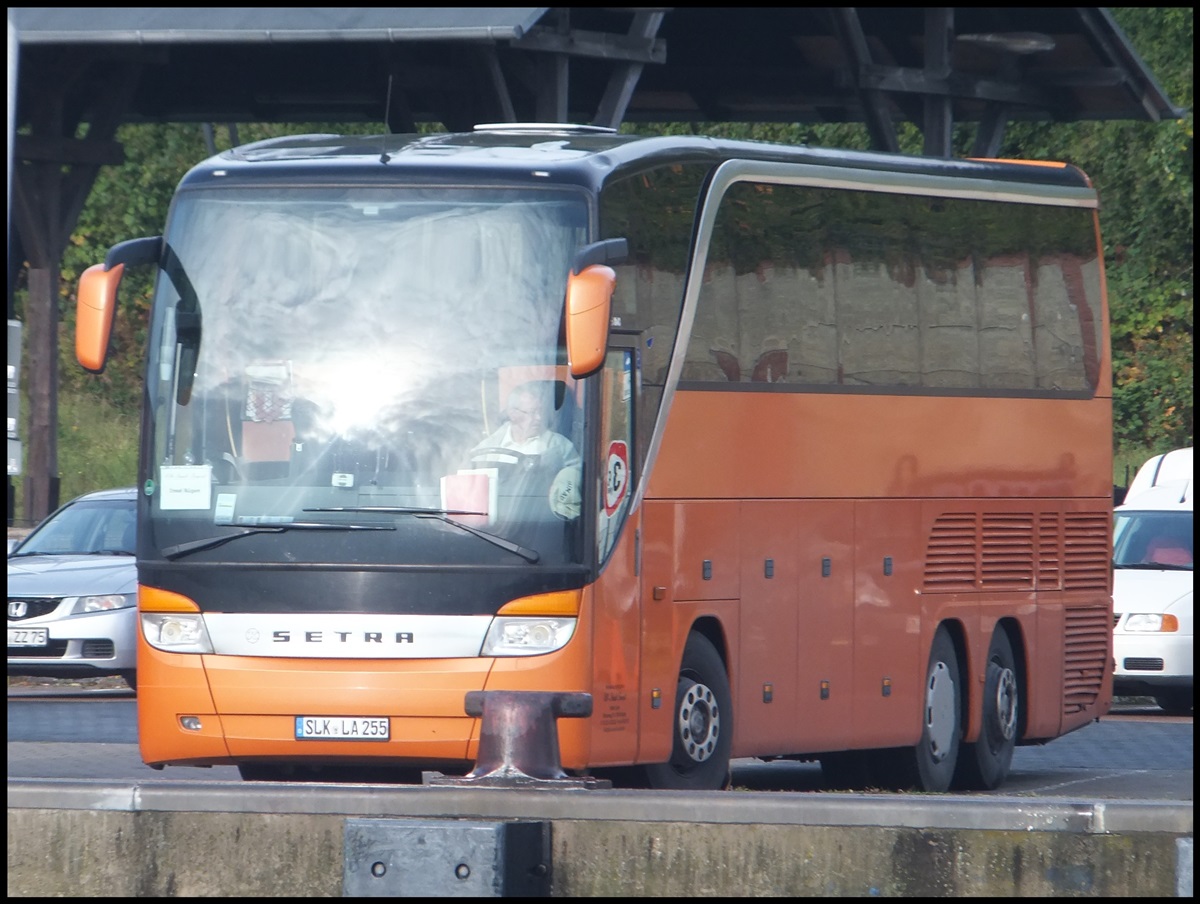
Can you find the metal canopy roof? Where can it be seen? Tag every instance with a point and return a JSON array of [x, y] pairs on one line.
[[459, 66], [196, 25]]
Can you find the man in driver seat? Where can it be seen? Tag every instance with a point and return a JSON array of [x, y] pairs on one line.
[[526, 432]]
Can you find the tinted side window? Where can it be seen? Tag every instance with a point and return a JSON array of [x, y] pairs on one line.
[[829, 287]]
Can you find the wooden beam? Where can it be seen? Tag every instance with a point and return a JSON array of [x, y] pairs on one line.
[[624, 78], [596, 45], [874, 104], [938, 121], [69, 151]]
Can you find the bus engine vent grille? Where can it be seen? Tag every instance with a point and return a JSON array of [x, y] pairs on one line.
[[1049, 557], [973, 551], [1006, 546], [1018, 551], [951, 556], [1087, 559], [1086, 653]]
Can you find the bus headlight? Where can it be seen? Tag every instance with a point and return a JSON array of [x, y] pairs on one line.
[[1151, 622], [525, 636], [176, 632]]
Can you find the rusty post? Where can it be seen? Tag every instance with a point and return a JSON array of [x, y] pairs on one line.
[[518, 739]]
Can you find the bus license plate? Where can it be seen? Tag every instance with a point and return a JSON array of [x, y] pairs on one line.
[[342, 728], [28, 637]]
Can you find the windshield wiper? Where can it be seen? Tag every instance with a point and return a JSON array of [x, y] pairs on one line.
[[183, 549], [529, 555]]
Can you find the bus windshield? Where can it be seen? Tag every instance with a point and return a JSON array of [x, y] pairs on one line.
[[374, 357]]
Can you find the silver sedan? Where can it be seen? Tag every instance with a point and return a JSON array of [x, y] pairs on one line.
[[72, 591]]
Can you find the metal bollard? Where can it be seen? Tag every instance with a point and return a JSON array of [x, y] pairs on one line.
[[518, 740]]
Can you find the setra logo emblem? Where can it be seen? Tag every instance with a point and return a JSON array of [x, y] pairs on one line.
[[252, 635]]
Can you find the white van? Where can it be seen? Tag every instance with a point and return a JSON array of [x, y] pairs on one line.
[[1152, 584]]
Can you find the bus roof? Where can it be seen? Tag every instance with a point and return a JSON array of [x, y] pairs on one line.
[[584, 155]]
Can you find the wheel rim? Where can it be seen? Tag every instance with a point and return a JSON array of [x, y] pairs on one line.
[[699, 722], [1006, 703], [939, 711]]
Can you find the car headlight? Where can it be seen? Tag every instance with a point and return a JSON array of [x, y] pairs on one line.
[[1151, 622], [104, 602], [176, 632], [525, 636]]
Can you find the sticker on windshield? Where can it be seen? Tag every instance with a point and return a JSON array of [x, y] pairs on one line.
[[185, 487], [224, 510]]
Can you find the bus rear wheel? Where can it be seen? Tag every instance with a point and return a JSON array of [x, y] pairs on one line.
[[703, 724], [984, 764]]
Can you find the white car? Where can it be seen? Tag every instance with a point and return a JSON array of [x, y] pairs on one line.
[[72, 591], [1153, 557]]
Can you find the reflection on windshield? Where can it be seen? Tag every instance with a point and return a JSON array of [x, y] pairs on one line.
[[1151, 539], [357, 345]]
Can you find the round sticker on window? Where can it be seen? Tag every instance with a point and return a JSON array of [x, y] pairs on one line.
[[616, 475]]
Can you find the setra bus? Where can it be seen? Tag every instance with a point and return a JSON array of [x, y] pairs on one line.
[[774, 451]]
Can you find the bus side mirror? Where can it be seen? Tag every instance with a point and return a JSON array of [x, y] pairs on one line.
[[96, 302], [589, 306], [589, 303], [95, 312]]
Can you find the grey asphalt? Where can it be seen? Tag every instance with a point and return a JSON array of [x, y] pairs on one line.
[[1132, 754]]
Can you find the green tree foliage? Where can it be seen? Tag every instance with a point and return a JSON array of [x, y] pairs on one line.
[[1143, 173], [1149, 235]]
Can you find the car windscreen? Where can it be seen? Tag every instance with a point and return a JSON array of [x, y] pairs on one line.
[[1153, 539], [88, 527]]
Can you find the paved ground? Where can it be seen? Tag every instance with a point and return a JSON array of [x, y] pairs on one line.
[[1135, 753]]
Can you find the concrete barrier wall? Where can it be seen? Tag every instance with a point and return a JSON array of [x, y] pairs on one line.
[[76, 839]]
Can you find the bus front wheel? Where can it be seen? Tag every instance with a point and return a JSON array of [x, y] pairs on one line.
[[929, 766], [702, 724], [984, 764]]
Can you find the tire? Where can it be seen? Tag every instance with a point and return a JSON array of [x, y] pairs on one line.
[[1175, 701], [984, 764], [703, 724], [930, 765]]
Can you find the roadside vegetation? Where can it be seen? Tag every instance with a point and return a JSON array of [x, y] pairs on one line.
[[1142, 171]]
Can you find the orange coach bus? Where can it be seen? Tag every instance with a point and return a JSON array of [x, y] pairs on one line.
[[774, 451]]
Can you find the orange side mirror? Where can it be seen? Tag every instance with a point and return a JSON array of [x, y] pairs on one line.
[[95, 312], [589, 308]]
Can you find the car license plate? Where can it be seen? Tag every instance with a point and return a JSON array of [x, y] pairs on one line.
[[342, 728], [28, 637]]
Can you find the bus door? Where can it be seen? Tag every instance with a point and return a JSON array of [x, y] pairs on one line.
[[617, 593]]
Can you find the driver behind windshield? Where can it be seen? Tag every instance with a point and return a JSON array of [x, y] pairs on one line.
[[527, 432]]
